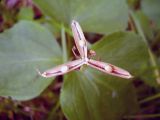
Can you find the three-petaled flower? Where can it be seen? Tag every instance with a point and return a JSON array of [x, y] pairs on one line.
[[81, 46]]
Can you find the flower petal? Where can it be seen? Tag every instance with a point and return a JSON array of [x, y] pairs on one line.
[[109, 69]]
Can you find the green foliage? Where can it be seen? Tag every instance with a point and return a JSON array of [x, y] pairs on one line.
[[93, 95], [152, 10], [103, 16], [145, 24], [26, 13], [24, 48], [86, 94]]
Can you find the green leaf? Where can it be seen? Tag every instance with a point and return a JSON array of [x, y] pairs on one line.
[[26, 13], [103, 16], [152, 10], [92, 95], [24, 48]]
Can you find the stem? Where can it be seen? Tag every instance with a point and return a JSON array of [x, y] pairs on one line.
[[70, 45], [156, 70], [53, 111], [142, 116], [152, 58], [64, 46], [149, 98]]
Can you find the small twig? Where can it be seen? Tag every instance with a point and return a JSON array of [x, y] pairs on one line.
[[64, 45], [53, 111], [142, 116], [149, 98]]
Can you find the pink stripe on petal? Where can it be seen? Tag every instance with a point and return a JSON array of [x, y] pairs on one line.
[[62, 69], [109, 69], [79, 39]]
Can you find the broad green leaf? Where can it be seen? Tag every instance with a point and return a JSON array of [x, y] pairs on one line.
[[92, 95], [103, 16], [24, 48], [152, 10]]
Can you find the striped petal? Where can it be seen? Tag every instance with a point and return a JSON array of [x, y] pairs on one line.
[[79, 39], [62, 69], [109, 69]]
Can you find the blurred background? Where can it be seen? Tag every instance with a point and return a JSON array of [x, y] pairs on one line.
[[99, 19]]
